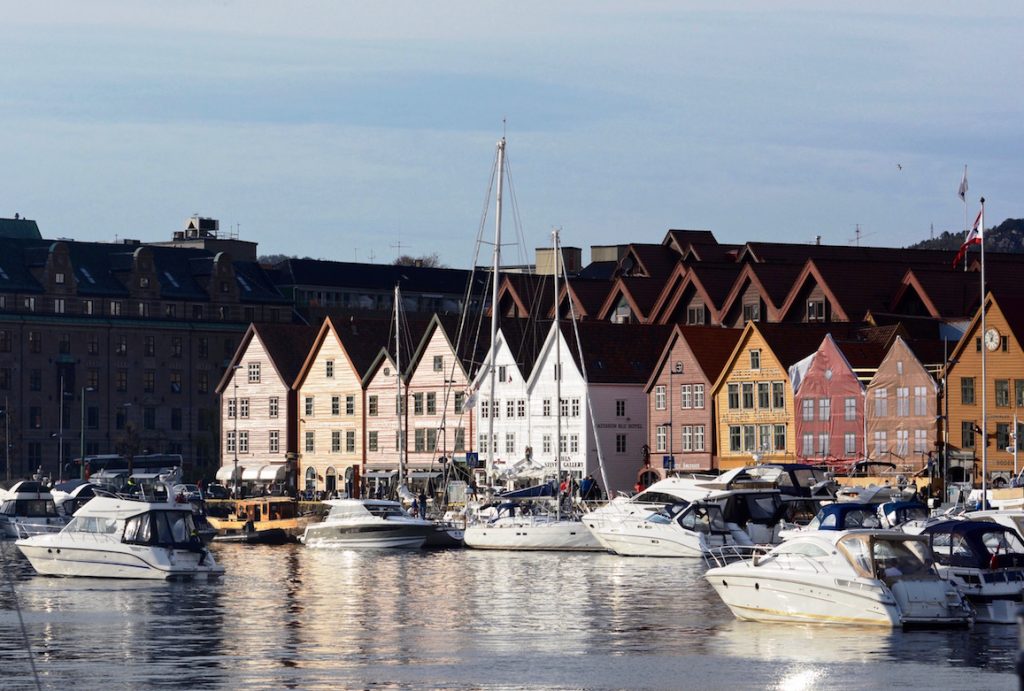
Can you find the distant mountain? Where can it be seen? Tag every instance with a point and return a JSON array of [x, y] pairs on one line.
[[1008, 236]]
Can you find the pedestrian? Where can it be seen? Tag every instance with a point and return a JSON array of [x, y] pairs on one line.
[[423, 504], [586, 486]]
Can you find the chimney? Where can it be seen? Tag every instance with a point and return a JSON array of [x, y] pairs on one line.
[[817, 240]]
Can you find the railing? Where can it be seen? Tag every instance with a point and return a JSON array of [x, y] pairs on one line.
[[728, 554]]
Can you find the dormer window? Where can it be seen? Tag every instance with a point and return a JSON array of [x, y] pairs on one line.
[[143, 282], [755, 359], [58, 278], [815, 310], [223, 286]]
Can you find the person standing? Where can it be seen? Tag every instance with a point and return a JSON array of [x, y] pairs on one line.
[[423, 505]]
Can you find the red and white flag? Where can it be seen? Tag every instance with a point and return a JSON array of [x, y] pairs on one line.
[[974, 237]]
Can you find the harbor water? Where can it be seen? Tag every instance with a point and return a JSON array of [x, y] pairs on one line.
[[292, 617]]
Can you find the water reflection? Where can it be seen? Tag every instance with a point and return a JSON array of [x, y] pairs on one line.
[[297, 618]]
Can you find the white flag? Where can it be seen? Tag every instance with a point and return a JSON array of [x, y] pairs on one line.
[[963, 185]]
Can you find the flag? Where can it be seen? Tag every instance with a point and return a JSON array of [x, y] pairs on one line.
[[974, 237], [963, 186]]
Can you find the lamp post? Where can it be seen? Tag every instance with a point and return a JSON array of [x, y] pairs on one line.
[[81, 451]]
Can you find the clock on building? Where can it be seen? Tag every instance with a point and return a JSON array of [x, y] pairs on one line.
[[992, 339]]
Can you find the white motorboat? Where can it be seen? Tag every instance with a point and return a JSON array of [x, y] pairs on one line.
[[27, 509], [72, 495], [367, 523], [517, 531], [869, 577], [985, 561], [113, 537], [743, 517]]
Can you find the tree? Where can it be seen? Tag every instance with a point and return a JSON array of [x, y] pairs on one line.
[[129, 445], [430, 261]]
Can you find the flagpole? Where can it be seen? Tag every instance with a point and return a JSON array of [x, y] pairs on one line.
[[963, 198], [984, 379]]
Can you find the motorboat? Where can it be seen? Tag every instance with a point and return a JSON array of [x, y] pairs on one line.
[[27, 509], [115, 537], [870, 577], [513, 527], [72, 495], [985, 561], [261, 520], [740, 517], [367, 523]]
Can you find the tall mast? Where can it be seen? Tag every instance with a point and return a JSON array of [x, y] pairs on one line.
[[398, 379], [558, 382], [494, 310], [984, 382]]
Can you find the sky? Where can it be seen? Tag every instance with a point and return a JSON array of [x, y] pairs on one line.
[[358, 131]]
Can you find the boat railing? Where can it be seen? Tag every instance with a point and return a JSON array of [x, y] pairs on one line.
[[728, 554], [26, 530]]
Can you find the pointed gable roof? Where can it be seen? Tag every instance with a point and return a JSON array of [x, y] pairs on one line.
[[615, 353], [647, 260], [710, 346], [640, 293], [587, 297], [901, 350], [287, 346]]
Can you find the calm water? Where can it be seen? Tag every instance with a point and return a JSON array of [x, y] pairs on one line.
[[291, 617]]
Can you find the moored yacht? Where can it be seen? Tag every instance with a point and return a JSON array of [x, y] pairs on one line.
[[514, 530], [28, 508], [367, 523], [113, 537], [870, 577]]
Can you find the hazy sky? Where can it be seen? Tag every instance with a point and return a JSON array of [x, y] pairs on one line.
[[338, 130]]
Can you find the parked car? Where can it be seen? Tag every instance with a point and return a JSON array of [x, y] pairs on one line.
[[215, 491], [190, 492]]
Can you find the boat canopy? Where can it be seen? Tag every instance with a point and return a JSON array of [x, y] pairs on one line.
[[545, 490], [975, 544], [846, 516], [899, 512]]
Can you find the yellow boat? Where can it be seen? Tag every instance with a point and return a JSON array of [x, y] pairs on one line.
[[267, 520]]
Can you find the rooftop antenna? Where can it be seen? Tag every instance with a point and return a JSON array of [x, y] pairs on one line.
[[857, 234], [398, 247], [355, 252], [372, 256]]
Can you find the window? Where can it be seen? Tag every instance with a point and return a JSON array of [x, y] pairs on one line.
[[698, 396], [5, 378], [485, 409], [232, 403], [502, 371], [751, 313], [920, 401], [967, 434], [546, 443], [35, 342], [521, 407], [881, 444], [149, 381], [1019, 392], [661, 438], [143, 309], [309, 406], [35, 380], [243, 442], [30, 304], [372, 441], [329, 369], [575, 407], [274, 443], [695, 314], [807, 406], [88, 306], [176, 419], [780, 437], [64, 344], [439, 363], [807, 445], [1002, 393], [243, 408], [310, 442], [850, 409], [203, 347], [432, 403], [170, 310], [825, 409], [546, 407], [748, 395], [735, 443], [115, 308], [373, 406], [335, 405], [902, 401], [755, 359], [764, 436], [563, 407], [230, 445], [685, 396], [749, 440], [350, 441], [815, 310], [121, 345], [58, 305], [823, 445], [92, 345], [558, 373], [5, 341], [149, 417], [574, 443], [620, 443], [734, 396], [1002, 435], [510, 442], [620, 408], [58, 278], [176, 381], [902, 442], [254, 372], [686, 437], [335, 441], [763, 395], [417, 403], [967, 390], [881, 402], [563, 444], [850, 444], [778, 396], [920, 441], [273, 406], [350, 405], [197, 311], [460, 439], [203, 382], [121, 380], [698, 437], [460, 401], [176, 346]]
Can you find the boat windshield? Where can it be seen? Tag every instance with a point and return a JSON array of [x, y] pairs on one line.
[[703, 518], [655, 497], [92, 524], [878, 556], [385, 510], [29, 508], [161, 529], [1002, 542]]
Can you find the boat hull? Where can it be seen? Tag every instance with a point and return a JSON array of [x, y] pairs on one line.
[[572, 536], [120, 561], [373, 537], [651, 540]]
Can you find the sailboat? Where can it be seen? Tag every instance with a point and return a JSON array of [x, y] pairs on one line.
[[511, 529]]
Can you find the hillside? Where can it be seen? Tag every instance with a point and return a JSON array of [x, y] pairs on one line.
[[1008, 236]]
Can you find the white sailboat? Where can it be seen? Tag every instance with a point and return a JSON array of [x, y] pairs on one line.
[[534, 532]]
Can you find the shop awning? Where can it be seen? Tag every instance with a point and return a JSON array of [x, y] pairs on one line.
[[273, 473], [251, 473], [380, 474], [226, 472]]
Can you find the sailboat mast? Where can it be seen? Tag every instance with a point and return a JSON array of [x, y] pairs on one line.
[[558, 382], [398, 379], [494, 310]]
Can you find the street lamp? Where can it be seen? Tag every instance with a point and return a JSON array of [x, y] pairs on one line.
[[81, 453]]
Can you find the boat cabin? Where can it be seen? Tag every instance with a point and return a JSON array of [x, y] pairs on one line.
[[266, 509], [29, 499], [699, 516], [896, 513], [976, 545], [886, 555], [846, 516]]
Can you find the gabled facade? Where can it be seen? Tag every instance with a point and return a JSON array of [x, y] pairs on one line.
[[1002, 341], [829, 408], [680, 410], [382, 440], [902, 424]]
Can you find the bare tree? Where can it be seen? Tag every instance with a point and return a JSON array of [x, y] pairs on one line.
[[430, 261]]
